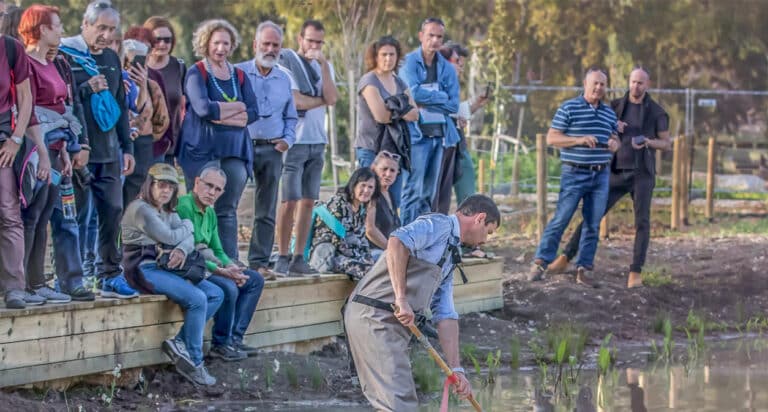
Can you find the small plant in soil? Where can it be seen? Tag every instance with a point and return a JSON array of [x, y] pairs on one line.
[[604, 357], [657, 276], [492, 362], [243, 375], [468, 351], [292, 376], [316, 376], [107, 396]]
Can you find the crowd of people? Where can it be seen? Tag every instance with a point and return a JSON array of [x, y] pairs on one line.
[[96, 127]]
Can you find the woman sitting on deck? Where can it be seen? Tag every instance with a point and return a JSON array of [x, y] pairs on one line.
[[159, 257], [339, 244]]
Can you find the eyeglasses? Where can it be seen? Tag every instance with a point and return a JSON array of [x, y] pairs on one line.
[[165, 185], [167, 39], [211, 187], [393, 156]]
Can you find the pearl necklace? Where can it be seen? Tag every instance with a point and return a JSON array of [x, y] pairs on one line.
[[231, 78]]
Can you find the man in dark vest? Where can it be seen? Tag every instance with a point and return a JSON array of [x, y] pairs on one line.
[[415, 273], [643, 129]]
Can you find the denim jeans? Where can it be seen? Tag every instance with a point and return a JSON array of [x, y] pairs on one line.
[[87, 227], [65, 238], [420, 183], [226, 206], [577, 185], [464, 186], [639, 184], [232, 319], [199, 302], [365, 159]]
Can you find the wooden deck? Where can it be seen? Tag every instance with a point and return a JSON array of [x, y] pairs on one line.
[[67, 340]]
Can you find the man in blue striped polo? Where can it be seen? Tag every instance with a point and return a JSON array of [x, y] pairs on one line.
[[585, 131]]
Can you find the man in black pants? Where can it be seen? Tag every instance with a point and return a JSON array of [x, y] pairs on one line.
[[96, 68], [643, 129]]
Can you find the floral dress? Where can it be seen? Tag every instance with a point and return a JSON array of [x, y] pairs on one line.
[[351, 255]]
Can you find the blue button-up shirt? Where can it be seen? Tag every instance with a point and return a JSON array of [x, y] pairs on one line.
[[273, 92], [427, 238], [445, 100]]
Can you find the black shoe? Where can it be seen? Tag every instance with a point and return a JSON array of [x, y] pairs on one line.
[[82, 294], [299, 267], [248, 350], [227, 353], [14, 299]]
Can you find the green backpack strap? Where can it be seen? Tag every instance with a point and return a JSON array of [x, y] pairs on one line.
[[330, 220]]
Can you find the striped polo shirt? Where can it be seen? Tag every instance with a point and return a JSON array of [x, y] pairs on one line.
[[577, 118]]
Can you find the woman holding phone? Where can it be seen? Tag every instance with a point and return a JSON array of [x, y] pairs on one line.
[[149, 113]]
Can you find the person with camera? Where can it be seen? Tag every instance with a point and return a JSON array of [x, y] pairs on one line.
[[643, 129], [584, 129], [242, 287], [159, 257]]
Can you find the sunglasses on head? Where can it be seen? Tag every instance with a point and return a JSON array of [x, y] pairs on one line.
[[393, 156], [164, 39]]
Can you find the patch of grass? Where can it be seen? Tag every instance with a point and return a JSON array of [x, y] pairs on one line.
[[292, 376], [746, 226], [657, 276], [317, 378]]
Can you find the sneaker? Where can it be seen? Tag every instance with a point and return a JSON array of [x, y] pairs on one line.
[[196, 374], [246, 349], [583, 277], [51, 296], [33, 300], [299, 267], [537, 271], [117, 287], [81, 294], [14, 299], [281, 265], [227, 353], [175, 350], [266, 273]]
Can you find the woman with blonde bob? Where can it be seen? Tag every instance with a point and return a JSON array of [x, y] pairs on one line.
[[220, 103]]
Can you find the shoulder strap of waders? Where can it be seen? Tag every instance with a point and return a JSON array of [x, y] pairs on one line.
[[455, 253]]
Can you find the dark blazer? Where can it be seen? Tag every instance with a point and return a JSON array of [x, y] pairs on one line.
[[649, 116]]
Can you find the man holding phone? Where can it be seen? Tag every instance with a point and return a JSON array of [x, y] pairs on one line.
[[643, 128]]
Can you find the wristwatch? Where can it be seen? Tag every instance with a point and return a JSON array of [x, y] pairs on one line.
[[17, 140], [459, 370]]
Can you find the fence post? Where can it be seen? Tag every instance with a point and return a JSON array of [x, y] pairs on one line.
[[352, 129], [541, 184], [709, 212], [333, 140], [685, 178], [481, 176], [674, 223]]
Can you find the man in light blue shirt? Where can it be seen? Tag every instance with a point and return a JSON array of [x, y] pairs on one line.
[[435, 89], [416, 273], [271, 137]]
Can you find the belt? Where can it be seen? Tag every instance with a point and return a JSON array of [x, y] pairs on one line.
[[264, 142], [379, 304], [419, 318], [594, 168]]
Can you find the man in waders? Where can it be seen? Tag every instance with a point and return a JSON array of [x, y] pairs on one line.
[[417, 265]]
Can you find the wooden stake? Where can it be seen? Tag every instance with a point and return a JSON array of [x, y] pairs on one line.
[[481, 176], [709, 212], [675, 208], [687, 157], [541, 184]]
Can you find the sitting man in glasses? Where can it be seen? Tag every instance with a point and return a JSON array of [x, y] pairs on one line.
[[242, 288]]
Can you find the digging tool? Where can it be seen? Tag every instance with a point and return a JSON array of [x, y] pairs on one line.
[[438, 359]]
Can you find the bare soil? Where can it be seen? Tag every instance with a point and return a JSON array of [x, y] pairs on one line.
[[720, 278]]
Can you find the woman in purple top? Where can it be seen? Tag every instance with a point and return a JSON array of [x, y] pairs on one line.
[[220, 103]]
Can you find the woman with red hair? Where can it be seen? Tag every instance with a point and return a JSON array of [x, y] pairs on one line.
[[59, 112]]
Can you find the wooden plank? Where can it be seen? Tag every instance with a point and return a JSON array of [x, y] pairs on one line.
[[479, 270], [61, 307], [298, 334], [481, 305], [475, 291], [86, 345], [333, 289]]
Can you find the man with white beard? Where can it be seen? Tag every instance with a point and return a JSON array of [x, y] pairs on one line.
[[271, 136]]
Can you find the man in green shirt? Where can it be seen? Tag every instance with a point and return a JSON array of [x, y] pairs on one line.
[[242, 287]]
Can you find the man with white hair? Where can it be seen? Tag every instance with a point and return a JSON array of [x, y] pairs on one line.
[[97, 73], [271, 136]]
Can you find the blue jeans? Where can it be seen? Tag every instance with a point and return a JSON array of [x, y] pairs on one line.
[[232, 319], [577, 185], [199, 302], [87, 225], [226, 207], [365, 159], [421, 181], [66, 250]]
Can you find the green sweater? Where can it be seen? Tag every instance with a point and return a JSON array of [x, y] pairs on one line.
[[206, 228]]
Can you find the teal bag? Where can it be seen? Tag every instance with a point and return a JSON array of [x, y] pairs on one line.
[[329, 219]]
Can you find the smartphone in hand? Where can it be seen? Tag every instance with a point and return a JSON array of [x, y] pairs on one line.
[[638, 140], [139, 61]]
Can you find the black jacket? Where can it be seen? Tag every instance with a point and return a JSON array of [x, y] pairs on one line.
[[394, 137], [650, 114]]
